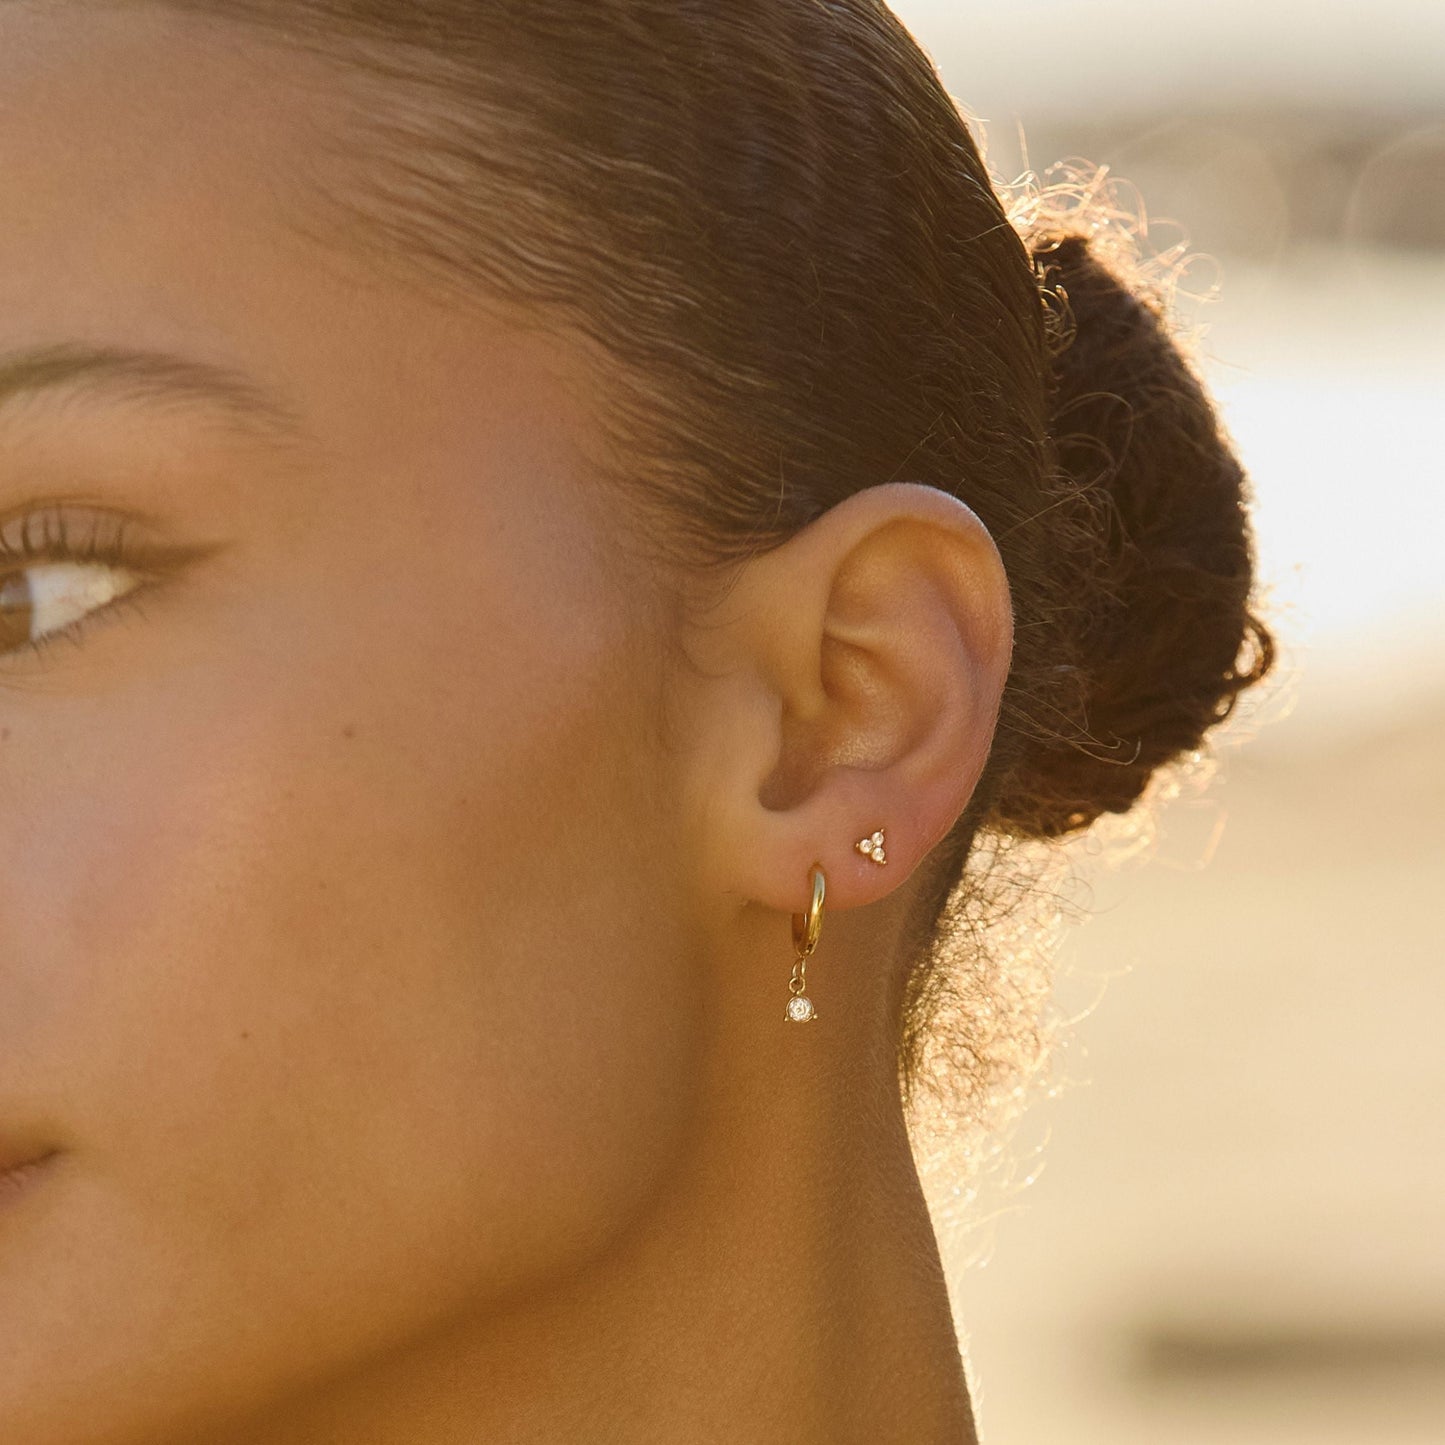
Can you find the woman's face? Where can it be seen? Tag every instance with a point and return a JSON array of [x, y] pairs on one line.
[[318, 847]]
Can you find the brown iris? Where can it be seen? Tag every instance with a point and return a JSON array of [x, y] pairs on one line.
[[16, 611]]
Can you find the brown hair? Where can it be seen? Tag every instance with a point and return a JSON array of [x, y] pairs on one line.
[[773, 226]]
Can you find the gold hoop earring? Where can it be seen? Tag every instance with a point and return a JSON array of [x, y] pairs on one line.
[[806, 930]]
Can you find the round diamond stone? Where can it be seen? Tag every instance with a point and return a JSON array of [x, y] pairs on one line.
[[800, 1009]]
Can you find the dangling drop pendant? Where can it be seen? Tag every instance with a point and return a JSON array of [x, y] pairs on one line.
[[806, 929], [800, 1006]]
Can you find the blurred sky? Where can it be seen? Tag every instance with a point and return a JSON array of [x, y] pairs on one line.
[[1056, 54]]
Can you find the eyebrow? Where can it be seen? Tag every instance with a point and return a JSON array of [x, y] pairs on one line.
[[149, 377]]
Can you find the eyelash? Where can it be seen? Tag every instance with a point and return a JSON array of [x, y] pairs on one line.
[[109, 545]]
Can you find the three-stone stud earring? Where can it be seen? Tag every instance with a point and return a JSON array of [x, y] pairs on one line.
[[806, 928], [872, 847]]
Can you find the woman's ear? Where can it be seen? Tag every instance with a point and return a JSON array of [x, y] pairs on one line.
[[848, 681]]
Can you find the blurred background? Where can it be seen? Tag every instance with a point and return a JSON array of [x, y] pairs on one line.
[[1229, 1223]]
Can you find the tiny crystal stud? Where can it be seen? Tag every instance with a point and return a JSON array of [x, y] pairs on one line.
[[872, 847], [800, 1009]]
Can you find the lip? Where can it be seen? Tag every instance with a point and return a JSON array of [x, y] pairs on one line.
[[18, 1150], [16, 1178], [21, 1151]]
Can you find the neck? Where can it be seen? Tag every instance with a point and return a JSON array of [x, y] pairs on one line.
[[783, 1288]]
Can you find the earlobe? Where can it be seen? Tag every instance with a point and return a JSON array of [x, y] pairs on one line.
[[866, 661]]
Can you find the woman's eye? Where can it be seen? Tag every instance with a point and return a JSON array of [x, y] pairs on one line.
[[43, 599]]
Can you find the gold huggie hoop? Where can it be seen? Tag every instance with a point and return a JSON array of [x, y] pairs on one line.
[[805, 939]]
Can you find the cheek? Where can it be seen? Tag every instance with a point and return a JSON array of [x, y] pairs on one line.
[[344, 1034]]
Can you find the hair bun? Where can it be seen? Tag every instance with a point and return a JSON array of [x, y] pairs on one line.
[[1155, 589]]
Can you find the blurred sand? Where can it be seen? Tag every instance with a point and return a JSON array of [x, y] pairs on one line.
[[1237, 1232]]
